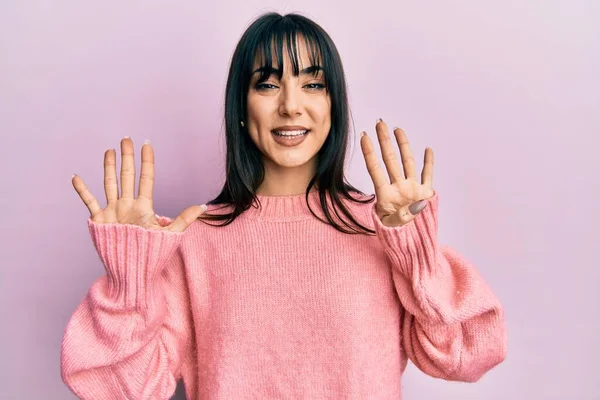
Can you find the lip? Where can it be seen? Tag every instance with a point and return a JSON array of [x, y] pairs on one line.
[[290, 141], [291, 128]]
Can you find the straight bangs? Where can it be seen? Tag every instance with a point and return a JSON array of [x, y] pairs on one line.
[[291, 35]]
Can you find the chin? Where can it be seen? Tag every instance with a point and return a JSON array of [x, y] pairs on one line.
[[290, 159], [290, 163]]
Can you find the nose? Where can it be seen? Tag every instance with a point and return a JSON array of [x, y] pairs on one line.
[[290, 102]]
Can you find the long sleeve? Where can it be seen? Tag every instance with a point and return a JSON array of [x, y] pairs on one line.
[[452, 324], [129, 336]]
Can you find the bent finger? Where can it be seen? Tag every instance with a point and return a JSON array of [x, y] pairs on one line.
[[427, 173], [127, 168], [88, 199], [147, 172], [111, 188], [373, 168], [186, 218]]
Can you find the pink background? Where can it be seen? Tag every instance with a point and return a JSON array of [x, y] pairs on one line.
[[506, 93]]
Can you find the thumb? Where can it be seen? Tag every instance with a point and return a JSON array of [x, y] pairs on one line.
[[186, 218], [417, 207]]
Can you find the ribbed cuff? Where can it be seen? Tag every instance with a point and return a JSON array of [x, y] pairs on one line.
[[414, 243], [133, 256]]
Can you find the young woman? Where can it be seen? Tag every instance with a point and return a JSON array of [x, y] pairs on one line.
[[307, 288]]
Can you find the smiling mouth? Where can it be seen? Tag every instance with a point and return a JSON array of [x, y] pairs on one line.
[[290, 138], [290, 133]]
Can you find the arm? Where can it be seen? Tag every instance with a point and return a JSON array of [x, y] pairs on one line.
[[452, 324], [131, 333]]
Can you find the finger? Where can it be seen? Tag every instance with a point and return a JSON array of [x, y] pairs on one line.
[[417, 207], [427, 173], [186, 218], [408, 161], [405, 215], [375, 171], [388, 152], [111, 188], [147, 172], [88, 199], [127, 168]]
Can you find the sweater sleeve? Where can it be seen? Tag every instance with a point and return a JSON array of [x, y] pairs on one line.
[[129, 336], [452, 324]]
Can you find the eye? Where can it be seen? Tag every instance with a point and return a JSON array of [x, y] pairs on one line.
[[316, 86], [264, 86]]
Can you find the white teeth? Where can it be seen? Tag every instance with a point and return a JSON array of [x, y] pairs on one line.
[[291, 133]]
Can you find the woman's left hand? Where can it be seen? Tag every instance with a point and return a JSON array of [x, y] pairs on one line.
[[400, 201]]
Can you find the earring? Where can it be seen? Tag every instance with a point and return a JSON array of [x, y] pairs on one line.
[[242, 123]]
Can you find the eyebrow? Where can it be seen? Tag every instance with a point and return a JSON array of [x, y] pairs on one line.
[[310, 70]]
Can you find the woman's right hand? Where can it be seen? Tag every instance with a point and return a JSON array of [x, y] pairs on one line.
[[126, 209]]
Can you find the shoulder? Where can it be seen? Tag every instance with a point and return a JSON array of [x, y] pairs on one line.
[[206, 226], [359, 201]]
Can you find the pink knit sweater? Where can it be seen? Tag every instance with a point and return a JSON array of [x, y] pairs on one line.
[[279, 305]]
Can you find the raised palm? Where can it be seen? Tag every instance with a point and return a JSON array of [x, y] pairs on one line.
[[127, 209], [398, 195]]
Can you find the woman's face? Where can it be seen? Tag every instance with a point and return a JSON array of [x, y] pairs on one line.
[[293, 104]]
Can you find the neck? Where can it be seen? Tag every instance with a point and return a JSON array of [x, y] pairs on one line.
[[286, 181]]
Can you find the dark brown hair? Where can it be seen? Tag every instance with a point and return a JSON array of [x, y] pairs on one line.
[[244, 166]]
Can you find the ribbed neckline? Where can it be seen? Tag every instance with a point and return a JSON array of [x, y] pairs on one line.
[[285, 207]]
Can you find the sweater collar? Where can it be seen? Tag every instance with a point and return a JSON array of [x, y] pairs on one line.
[[285, 207]]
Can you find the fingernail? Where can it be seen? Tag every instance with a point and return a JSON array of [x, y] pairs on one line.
[[126, 137], [146, 141], [73, 176], [378, 121], [417, 207], [363, 133], [203, 207]]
